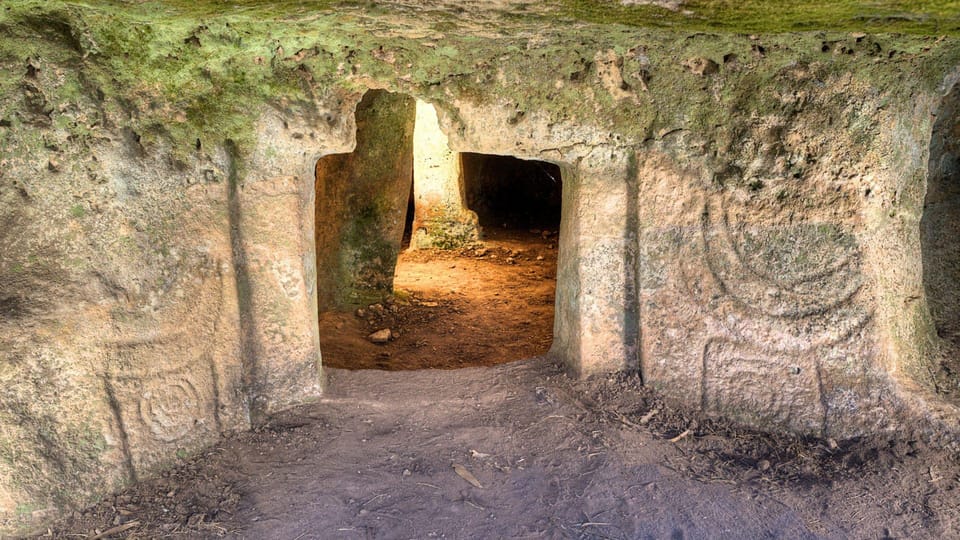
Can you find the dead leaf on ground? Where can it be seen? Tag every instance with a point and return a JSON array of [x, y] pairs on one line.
[[467, 475]]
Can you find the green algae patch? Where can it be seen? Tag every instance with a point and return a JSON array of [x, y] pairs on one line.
[[926, 17], [923, 17], [188, 73], [172, 78]]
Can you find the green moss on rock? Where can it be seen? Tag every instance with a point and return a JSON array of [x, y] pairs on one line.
[[925, 17]]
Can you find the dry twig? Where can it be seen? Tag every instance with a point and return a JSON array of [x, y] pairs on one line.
[[116, 530]]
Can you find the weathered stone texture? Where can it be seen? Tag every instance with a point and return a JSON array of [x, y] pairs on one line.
[[758, 317], [361, 204], [749, 234], [441, 219]]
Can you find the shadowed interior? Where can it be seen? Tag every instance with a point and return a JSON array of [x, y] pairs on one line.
[[512, 193], [940, 239]]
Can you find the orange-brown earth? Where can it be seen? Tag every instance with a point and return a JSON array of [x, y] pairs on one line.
[[478, 306]]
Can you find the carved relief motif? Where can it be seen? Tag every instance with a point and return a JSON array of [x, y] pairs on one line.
[[776, 300], [752, 385], [164, 385], [168, 405], [173, 407]]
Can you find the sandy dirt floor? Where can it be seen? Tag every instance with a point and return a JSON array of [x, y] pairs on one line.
[[479, 306], [516, 450]]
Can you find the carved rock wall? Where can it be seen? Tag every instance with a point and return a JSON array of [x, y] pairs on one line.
[[150, 304], [741, 219]]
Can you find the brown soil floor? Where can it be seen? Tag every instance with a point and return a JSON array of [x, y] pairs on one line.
[[479, 306], [517, 450]]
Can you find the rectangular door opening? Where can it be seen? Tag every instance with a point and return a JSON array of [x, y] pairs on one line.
[[424, 281]]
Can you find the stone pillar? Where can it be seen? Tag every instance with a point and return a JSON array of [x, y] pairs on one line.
[[595, 326], [441, 219], [280, 357], [271, 216], [361, 204], [270, 212]]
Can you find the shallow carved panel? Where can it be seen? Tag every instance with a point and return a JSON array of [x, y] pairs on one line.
[[174, 373], [745, 380], [163, 406], [743, 310]]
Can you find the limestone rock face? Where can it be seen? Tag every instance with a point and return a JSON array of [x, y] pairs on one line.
[[441, 217], [764, 233], [361, 204]]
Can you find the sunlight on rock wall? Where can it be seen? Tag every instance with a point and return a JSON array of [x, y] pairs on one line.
[[441, 218]]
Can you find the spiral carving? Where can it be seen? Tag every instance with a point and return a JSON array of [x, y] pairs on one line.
[[171, 409]]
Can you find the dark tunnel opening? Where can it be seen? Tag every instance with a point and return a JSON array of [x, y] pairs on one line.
[[512, 193]]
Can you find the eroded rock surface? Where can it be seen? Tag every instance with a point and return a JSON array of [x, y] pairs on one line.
[[741, 216]]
